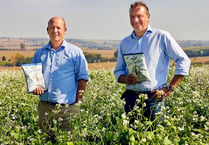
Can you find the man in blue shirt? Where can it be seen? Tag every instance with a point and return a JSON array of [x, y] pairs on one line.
[[65, 73], [150, 51]]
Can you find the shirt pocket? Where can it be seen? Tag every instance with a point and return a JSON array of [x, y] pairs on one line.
[[66, 64]]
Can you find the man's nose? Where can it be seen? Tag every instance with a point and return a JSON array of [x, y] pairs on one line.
[[136, 19]]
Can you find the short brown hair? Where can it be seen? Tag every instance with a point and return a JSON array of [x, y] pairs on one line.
[[139, 4]]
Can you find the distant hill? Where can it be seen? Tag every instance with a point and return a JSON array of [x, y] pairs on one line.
[[193, 43], [94, 50], [35, 43]]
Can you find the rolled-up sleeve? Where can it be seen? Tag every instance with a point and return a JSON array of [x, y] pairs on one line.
[[81, 67], [176, 53], [120, 68]]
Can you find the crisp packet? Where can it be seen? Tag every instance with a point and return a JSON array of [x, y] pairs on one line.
[[33, 75], [136, 65]]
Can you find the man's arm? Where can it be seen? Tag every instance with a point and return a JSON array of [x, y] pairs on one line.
[[164, 92], [176, 80], [80, 89]]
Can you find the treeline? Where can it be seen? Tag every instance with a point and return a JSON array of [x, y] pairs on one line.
[[18, 59], [91, 58], [199, 53]]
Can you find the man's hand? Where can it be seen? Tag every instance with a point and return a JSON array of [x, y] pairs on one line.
[[164, 92], [161, 93], [80, 90], [129, 79], [38, 91]]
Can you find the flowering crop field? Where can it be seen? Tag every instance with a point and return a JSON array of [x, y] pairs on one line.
[[102, 120]]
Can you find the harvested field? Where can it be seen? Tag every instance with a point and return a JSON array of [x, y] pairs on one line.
[[101, 65], [200, 59], [104, 53], [10, 53], [91, 66]]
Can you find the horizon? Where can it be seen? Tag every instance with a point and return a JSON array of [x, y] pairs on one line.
[[1, 37]]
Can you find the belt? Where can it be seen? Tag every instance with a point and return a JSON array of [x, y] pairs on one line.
[[55, 103], [140, 92]]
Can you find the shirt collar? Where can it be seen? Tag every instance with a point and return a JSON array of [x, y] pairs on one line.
[[48, 46], [149, 30]]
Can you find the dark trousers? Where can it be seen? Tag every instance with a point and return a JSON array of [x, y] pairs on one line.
[[151, 110]]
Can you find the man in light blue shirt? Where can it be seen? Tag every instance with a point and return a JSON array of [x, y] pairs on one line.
[[152, 49], [62, 70], [65, 73]]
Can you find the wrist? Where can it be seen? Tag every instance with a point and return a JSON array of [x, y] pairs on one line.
[[170, 88], [122, 79]]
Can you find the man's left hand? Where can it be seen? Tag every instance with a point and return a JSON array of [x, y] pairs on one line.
[[161, 93]]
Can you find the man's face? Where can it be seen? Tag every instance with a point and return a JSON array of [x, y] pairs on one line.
[[139, 19], [56, 30]]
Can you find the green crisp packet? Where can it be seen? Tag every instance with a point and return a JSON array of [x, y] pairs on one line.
[[136, 65], [33, 75]]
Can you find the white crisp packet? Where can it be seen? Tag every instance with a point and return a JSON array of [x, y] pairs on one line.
[[33, 75], [137, 66]]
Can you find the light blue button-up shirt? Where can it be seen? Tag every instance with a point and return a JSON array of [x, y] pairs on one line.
[[62, 68], [158, 47]]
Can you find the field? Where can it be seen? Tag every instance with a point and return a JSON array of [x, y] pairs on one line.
[[9, 54], [91, 66], [200, 59], [101, 120], [104, 53]]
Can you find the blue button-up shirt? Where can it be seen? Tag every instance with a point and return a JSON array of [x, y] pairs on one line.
[[158, 47], [62, 68]]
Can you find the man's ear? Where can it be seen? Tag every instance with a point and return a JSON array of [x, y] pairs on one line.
[[149, 16], [47, 30]]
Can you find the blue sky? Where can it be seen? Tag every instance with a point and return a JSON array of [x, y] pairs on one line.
[[103, 19]]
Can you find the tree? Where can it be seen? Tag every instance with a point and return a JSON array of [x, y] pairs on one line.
[[4, 58], [19, 59], [22, 46], [116, 53]]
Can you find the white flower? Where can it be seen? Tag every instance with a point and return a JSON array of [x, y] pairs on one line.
[[195, 93], [202, 118], [55, 121], [123, 115], [60, 119], [125, 122], [136, 121], [39, 131], [144, 140], [144, 105], [206, 127], [181, 129]]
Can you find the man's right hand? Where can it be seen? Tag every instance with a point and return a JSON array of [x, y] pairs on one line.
[[129, 79], [38, 91]]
